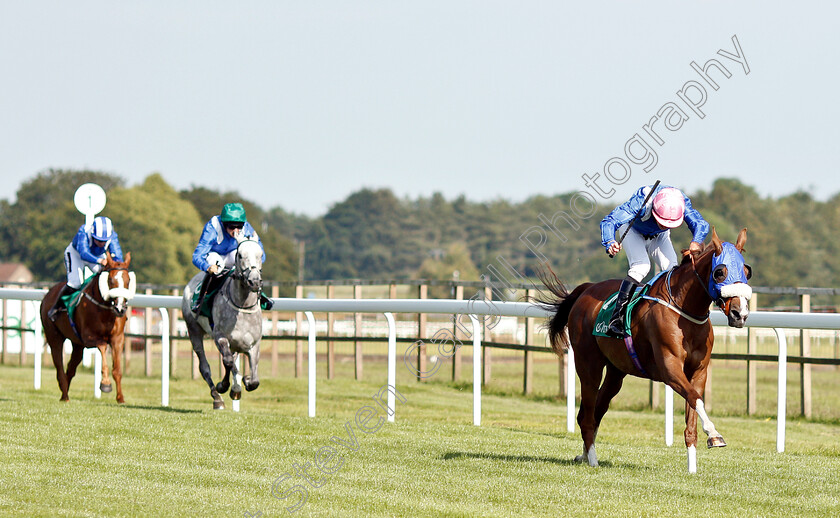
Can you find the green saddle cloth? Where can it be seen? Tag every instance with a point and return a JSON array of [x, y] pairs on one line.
[[602, 323], [215, 286], [71, 301]]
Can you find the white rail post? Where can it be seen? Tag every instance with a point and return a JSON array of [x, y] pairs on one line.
[[570, 389], [164, 357], [476, 371], [237, 381], [97, 373], [311, 319], [669, 416], [392, 365], [782, 391], [39, 349]]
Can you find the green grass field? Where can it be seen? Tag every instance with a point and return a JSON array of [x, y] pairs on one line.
[[95, 458]]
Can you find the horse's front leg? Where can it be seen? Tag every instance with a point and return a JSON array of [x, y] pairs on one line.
[[236, 389], [223, 345], [117, 344], [105, 383], [715, 440], [252, 380]]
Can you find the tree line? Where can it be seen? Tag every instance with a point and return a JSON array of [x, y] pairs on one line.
[[373, 234]]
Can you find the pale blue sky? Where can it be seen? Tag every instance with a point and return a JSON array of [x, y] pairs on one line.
[[298, 104]]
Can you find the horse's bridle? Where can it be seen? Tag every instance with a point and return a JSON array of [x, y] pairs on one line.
[[109, 306], [240, 274]]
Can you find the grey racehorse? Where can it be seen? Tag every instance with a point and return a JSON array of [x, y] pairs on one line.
[[237, 319]]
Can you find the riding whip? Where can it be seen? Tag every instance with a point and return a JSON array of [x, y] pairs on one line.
[[638, 215]]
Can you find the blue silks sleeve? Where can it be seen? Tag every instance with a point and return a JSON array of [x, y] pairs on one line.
[[620, 215]]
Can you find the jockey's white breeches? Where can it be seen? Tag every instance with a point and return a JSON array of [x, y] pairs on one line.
[[638, 249], [76, 267]]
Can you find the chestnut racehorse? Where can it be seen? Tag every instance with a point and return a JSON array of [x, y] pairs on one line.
[[672, 337], [99, 320]]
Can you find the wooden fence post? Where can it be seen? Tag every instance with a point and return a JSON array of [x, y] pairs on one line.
[[299, 332], [357, 326], [147, 342], [752, 348], [275, 359], [528, 376], [456, 357], [805, 368], [330, 328], [422, 321]]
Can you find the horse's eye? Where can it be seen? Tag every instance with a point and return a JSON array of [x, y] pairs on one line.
[[720, 274], [748, 271]]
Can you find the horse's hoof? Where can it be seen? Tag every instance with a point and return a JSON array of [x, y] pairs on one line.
[[120, 400], [251, 386], [218, 405], [715, 442], [235, 394], [581, 458], [105, 388], [65, 399]]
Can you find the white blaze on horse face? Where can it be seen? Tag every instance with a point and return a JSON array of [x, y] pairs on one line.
[[745, 308], [104, 288]]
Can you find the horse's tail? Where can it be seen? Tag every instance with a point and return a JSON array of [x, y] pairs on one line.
[[561, 305]]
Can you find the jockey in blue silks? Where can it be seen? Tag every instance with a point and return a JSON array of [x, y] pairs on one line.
[[216, 249], [648, 236], [87, 249]]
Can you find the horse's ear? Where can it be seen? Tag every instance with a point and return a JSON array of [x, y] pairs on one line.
[[716, 242], [127, 258], [742, 240]]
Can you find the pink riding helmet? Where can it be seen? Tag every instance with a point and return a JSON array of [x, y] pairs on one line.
[[669, 207]]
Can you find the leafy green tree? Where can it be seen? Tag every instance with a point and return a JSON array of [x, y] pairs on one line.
[[158, 227], [43, 221]]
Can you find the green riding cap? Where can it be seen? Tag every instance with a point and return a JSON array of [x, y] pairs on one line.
[[233, 213]]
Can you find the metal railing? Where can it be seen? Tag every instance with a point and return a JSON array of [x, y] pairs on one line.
[[473, 308]]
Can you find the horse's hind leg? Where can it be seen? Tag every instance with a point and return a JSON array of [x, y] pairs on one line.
[[56, 342], [252, 380], [589, 371], [197, 340], [75, 360], [613, 380]]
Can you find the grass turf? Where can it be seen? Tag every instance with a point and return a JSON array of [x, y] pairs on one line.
[[96, 458]]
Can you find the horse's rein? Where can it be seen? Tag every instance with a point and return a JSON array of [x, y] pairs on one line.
[[672, 303], [246, 309]]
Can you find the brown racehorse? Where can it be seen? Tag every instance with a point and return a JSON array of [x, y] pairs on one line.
[[99, 319], [671, 336]]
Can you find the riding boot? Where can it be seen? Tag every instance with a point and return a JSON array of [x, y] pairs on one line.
[[202, 292], [265, 302], [616, 327], [59, 302]]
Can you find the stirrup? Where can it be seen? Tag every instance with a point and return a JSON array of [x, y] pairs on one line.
[[52, 314], [612, 330]]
